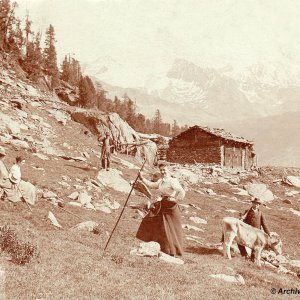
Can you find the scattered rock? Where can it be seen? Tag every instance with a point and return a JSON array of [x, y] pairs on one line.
[[229, 278], [20, 144], [88, 225], [287, 201], [60, 116], [53, 220], [84, 198], [232, 211], [234, 180], [210, 192], [198, 220], [291, 193], [41, 156], [103, 207], [74, 196], [295, 263], [49, 194], [146, 249], [170, 259], [292, 180], [194, 206], [284, 270], [295, 212], [64, 184], [189, 227], [75, 203]]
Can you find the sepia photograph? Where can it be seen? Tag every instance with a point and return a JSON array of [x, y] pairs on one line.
[[149, 149]]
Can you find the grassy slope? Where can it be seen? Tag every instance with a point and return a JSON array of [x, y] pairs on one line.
[[71, 264]]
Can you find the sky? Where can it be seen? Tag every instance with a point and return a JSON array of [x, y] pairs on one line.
[[146, 36]]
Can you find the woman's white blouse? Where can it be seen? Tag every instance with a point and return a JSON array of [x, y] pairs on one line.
[[15, 171], [167, 186]]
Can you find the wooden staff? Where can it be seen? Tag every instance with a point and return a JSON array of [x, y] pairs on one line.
[[123, 208]]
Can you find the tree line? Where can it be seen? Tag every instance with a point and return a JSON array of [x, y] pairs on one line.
[[38, 59]]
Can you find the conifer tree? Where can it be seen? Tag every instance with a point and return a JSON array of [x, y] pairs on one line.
[[32, 63], [50, 60], [15, 39], [157, 122], [87, 93], [7, 17], [71, 71], [28, 32]]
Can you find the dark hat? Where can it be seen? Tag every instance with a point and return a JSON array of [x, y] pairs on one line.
[[256, 200]]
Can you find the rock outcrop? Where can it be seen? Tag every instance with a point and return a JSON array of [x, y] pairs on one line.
[[126, 139]]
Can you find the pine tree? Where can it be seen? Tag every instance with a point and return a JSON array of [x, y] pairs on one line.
[[157, 121], [87, 93], [71, 71], [130, 111], [15, 39], [50, 60], [65, 68], [7, 18], [28, 32]]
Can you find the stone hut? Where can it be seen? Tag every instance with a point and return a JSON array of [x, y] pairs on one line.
[[211, 146]]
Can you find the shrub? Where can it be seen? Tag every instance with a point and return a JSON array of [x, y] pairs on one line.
[[20, 252]]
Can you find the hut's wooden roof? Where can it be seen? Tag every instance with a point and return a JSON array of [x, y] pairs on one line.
[[218, 132]]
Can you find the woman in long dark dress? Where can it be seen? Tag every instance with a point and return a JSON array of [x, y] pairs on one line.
[[163, 224]]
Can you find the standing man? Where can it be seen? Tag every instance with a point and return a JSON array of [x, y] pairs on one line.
[[254, 217], [105, 152]]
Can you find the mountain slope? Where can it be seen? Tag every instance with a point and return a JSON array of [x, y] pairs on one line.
[[206, 95]]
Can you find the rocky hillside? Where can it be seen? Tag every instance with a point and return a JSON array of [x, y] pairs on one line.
[[37, 121]]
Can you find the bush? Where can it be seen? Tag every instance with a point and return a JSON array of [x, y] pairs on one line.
[[20, 252]]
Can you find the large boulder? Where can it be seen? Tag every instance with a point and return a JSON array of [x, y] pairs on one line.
[[292, 180], [259, 191], [114, 180], [186, 175]]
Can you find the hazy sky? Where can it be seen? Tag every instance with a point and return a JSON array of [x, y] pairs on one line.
[[148, 35]]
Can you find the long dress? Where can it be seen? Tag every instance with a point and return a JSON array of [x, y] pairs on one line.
[[26, 189], [163, 223]]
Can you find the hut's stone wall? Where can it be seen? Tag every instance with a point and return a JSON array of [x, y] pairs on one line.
[[198, 146], [195, 146]]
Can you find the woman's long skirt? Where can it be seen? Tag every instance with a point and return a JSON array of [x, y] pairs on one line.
[[163, 225]]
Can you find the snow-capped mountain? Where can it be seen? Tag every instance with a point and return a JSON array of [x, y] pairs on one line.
[[204, 95]]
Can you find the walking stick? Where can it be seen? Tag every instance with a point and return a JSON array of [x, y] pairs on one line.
[[123, 207]]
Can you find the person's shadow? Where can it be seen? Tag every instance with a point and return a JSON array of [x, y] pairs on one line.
[[204, 250]]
